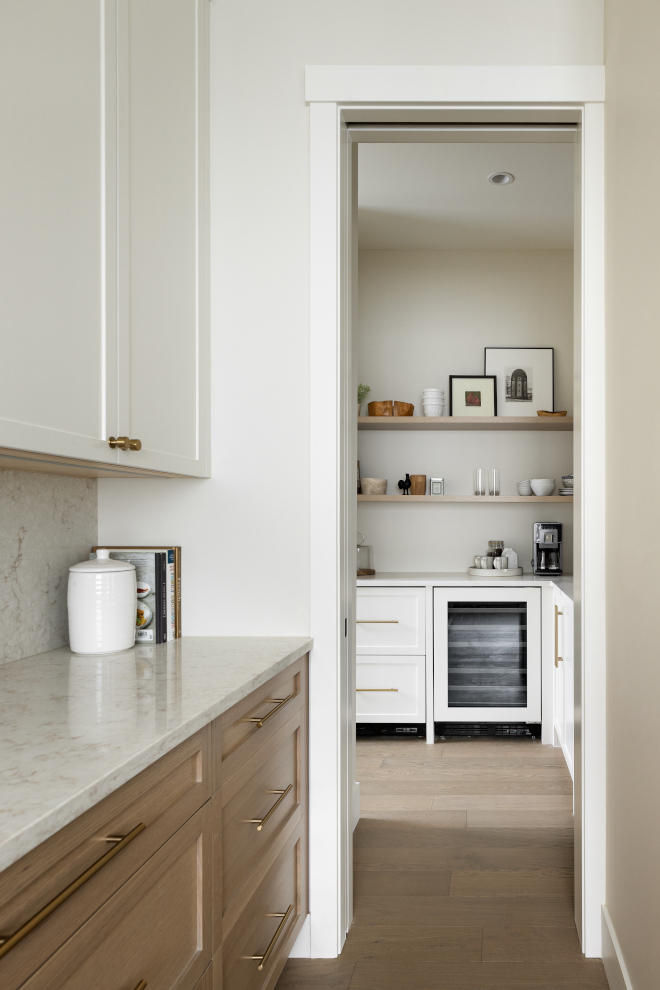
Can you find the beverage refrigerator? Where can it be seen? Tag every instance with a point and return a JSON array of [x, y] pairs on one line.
[[487, 654]]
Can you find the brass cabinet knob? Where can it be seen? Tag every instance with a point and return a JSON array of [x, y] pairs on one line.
[[125, 443]]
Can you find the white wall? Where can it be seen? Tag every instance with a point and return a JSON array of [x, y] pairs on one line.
[[245, 532], [422, 316]]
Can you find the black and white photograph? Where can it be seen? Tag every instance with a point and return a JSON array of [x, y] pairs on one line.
[[525, 379]]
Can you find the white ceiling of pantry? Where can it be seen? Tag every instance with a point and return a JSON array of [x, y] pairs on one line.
[[437, 196]]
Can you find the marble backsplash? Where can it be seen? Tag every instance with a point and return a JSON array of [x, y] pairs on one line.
[[47, 523]]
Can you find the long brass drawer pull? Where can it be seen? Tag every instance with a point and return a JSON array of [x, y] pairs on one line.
[[377, 689], [260, 822], [279, 702], [141, 985], [280, 928], [557, 657], [8, 942], [379, 622]]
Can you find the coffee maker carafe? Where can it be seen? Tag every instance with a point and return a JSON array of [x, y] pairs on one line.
[[548, 553]]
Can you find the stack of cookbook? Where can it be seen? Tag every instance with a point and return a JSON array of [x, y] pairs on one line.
[[158, 574]]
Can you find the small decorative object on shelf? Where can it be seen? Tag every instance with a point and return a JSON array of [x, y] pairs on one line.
[[437, 486], [374, 486], [405, 485], [403, 409], [380, 408], [418, 484], [480, 481], [545, 412], [472, 395], [494, 481], [525, 378], [363, 392]]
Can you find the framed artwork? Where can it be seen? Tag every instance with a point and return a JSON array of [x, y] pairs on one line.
[[525, 378], [472, 395]]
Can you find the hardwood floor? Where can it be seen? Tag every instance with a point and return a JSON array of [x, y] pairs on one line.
[[463, 873]]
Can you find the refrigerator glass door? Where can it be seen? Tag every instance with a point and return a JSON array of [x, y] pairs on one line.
[[487, 654]]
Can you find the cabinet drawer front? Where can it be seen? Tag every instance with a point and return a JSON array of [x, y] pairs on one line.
[[162, 798], [265, 796], [245, 728], [283, 887], [390, 620], [390, 689], [156, 928]]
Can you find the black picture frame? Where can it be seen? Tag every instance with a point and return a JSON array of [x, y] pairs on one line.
[[522, 347], [492, 378]]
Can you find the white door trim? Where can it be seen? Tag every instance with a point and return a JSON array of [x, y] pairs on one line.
[[332, 92]]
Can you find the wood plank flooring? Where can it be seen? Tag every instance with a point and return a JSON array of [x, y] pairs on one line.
[[463, 873]]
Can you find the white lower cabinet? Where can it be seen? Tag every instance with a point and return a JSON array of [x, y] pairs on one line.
[[391, 654], [390, 689], [564, 672]]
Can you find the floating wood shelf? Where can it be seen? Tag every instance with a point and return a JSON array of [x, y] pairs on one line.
[[531, 499], [546, 424]]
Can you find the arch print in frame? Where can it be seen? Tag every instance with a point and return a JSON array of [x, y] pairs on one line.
[[525, 379]]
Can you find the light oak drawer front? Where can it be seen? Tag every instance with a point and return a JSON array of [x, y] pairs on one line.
[[269, 923], [390, 689], [160, 798], [243, 729], [154, 932], [390, 620], [260, 801]]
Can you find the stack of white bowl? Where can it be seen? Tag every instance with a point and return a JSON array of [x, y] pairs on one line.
[[525, 487], [543, 486], [433, 401]]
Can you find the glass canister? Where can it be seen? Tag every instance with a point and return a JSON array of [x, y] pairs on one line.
[[365, 558], [495, 548]]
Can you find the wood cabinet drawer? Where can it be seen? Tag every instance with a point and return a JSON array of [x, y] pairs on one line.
[[243, 729], [263, 928], [390, 621], [390, 689], [161, 798], [156, 928], [263, 799]]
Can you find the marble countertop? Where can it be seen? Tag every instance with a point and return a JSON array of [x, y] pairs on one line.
[[463, 580], [75, 728]]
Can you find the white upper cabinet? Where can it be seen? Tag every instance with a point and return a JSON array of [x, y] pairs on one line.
[[104, 233]]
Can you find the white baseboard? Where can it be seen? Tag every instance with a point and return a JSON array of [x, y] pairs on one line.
[[356, 804], [613, 961], [302, 947]]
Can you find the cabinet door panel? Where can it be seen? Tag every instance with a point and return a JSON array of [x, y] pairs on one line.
[[52, 200], [162, 206]]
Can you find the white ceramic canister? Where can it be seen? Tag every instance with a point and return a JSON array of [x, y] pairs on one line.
[[102, 605]]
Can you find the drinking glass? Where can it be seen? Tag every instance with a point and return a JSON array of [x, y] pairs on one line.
[[480, 481], [494, 481]]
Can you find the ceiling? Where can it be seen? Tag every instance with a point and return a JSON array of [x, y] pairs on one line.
[[437, 196]]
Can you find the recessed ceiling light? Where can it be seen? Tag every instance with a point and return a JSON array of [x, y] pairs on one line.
[[501, 178]]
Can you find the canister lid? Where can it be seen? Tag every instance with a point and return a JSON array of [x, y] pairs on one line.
[[103, 564]]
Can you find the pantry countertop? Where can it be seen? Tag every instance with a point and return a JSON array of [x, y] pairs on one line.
[[460, 579], [75, 728]]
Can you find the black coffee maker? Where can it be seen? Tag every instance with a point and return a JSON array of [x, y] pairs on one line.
[[548, 553]]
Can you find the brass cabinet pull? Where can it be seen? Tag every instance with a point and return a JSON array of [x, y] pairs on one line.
[[141, 985], [8, 942], [125, 443], [380, 622], [260, 822], [279, 702], [280, 928], [377, 689], [557, 657]]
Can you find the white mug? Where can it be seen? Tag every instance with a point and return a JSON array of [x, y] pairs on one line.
[[501, 563], [487, 563], [477, 561]]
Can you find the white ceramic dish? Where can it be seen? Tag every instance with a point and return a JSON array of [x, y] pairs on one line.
[[492, 573]]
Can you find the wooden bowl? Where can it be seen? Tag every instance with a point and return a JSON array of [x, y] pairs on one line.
[[374, 486], [403, 409], [544, 412], [380, 408]]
